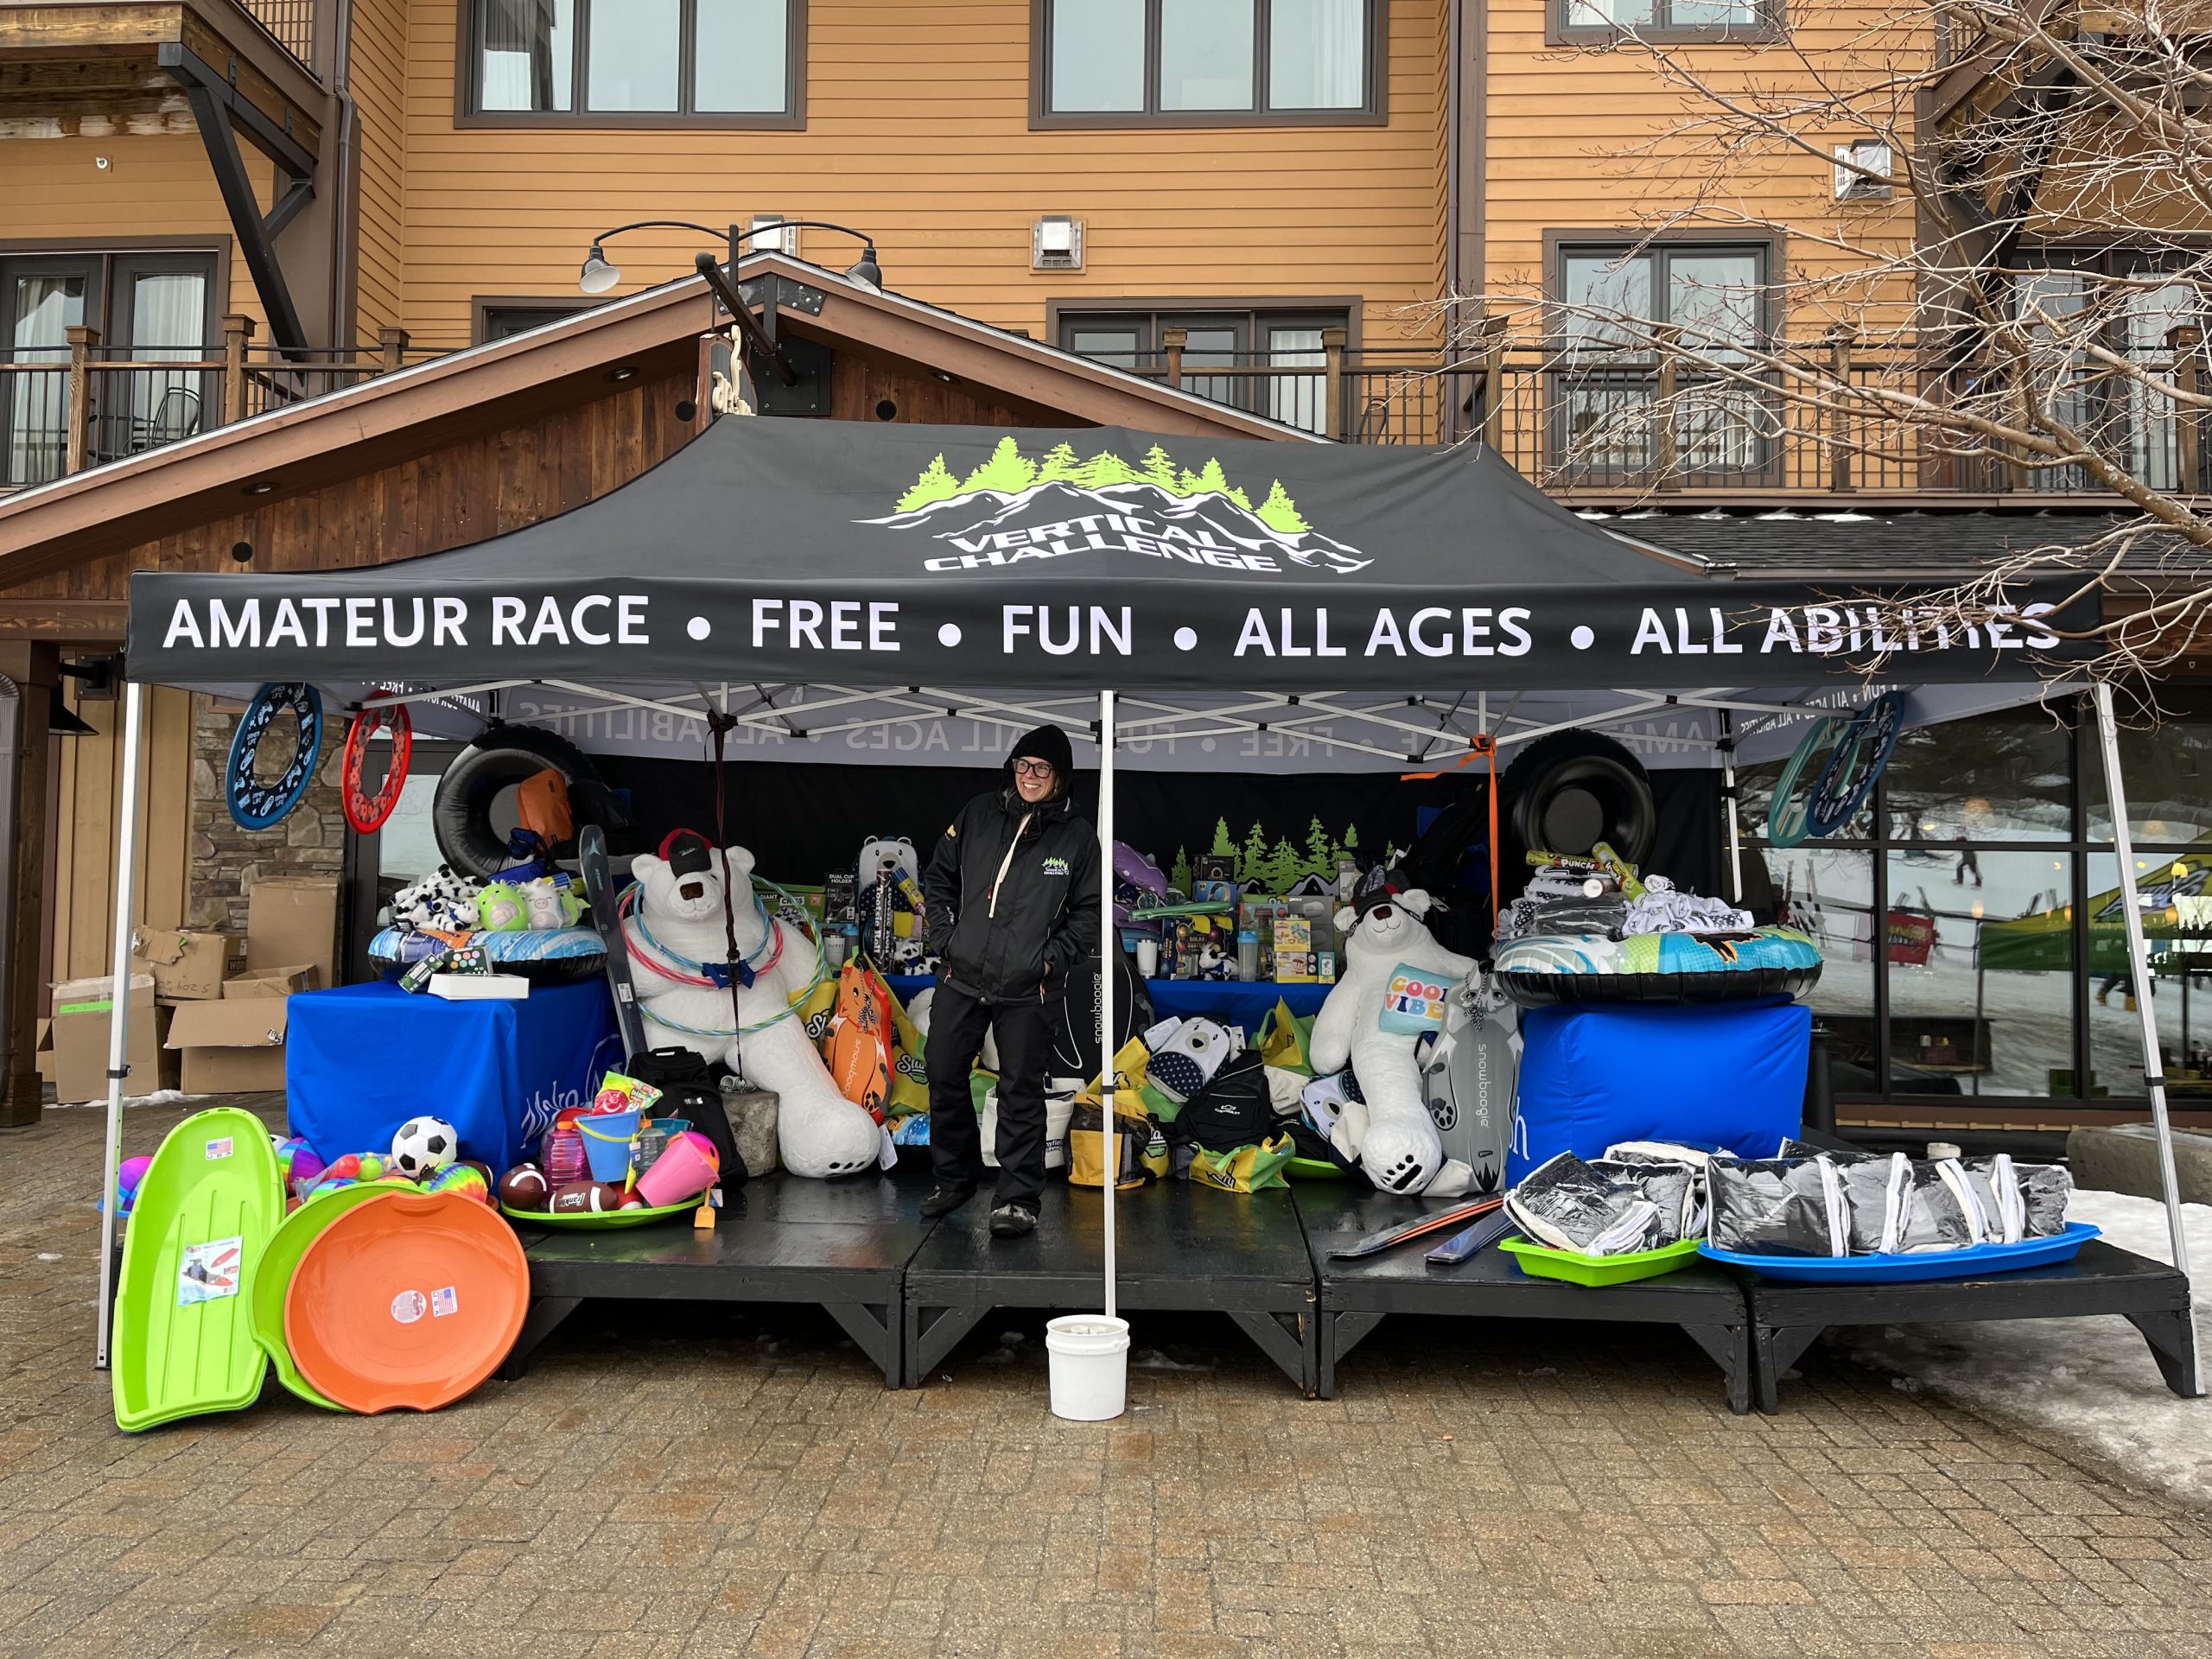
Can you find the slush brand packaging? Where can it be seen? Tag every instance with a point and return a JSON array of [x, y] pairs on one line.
[[838, 899]]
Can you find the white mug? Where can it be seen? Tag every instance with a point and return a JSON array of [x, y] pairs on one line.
[[1148, 958]]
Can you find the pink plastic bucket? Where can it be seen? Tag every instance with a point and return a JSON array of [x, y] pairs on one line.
[[678, 1173]]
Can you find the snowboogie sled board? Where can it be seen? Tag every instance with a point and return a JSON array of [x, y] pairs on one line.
[[1466, 1246], [607, 919], [1456, 1215]]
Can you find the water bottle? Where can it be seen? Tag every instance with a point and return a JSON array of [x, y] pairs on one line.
[[563, 1154], [1248, 955]]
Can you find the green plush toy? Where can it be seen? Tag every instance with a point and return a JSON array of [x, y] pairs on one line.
[[501, 908]]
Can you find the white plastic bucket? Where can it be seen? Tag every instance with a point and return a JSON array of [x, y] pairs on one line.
[[1088, 1364]]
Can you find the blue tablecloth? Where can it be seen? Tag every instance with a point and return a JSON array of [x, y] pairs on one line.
[[360, 1060], [1231, 1002]]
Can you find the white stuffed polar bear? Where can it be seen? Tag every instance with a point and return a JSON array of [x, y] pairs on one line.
[[1392, 1137], [819, 1132]]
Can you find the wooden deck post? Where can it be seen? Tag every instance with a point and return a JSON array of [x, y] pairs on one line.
[[83, 339], [1839, 340], [1493, 407], [1664, 449], [1332, 382], [1174, 339], [236, 330], [392, 344]]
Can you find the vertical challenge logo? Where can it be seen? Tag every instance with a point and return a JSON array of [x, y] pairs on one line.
[[1012, 508]]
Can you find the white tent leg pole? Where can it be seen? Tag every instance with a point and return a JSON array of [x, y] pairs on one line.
[[2138, 963], [1109, 945], [118, 1020], [1728, 805]]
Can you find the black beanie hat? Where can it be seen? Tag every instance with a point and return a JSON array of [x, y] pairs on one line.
[[1045, 743]]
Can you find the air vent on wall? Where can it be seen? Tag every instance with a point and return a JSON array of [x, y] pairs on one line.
[[1056, 244], [1853, 163]]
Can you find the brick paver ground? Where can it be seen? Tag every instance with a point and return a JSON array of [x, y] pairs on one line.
[[741, 1483]]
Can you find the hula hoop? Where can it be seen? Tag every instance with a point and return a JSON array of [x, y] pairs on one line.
[[257, 805], [1785, 814], [1861, 753], [366, 813]]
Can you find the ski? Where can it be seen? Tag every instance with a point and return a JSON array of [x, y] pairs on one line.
[[1462, 1246], [1435, 1222], [600, 893]]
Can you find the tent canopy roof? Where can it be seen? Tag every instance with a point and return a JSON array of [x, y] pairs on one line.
[[897, 555]]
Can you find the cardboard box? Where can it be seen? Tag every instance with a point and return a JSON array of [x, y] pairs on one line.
[[73, 1046], [291, 919], [229, 1046], [271, 982], [187, 966]]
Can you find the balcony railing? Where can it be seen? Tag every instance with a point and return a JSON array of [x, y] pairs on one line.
[[289, 23], [66, 408], [1613, 426]]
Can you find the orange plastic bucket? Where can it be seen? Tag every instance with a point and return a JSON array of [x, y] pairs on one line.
[[407, 1302]]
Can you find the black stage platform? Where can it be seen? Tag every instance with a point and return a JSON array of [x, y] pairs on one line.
[[1357, 1295], [907, 1290], [1177, 1247], [843, 1244], [2103, 1279]]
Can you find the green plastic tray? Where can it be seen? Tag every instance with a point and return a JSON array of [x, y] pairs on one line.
[[1314, 1169], [609, 1222], [1540, 1263]]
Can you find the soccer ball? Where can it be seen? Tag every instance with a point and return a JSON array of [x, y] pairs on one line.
[[424, 1147]]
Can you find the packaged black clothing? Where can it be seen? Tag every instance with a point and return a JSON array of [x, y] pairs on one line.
[[1774, 1206], [1234, 1110], [688, 1085], [1567, 1206], [1873, 1187], [1674, 1190], [2044, 1189], [1011, 894], [1929, 1215]]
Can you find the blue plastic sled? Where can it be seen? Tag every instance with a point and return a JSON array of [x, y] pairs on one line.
[[1971, 1263]]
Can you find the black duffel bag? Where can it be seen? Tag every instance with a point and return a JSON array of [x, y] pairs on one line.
[[688, 1089]]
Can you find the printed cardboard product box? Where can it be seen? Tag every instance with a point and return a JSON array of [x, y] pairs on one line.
[[291, 919], [272, 982], [233, 1045], [187, 966], [73, 1046]]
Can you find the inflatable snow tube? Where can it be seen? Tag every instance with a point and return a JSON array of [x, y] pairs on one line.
[[503, 757], [1547, 970], [545, 957], [1567, 792]]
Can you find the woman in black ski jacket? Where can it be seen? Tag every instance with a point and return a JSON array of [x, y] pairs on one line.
[[1013, 897]]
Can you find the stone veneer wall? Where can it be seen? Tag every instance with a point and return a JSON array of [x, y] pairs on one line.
[[226, 861]]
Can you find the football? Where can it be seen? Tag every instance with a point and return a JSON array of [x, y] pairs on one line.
[[523, 1187], [424, 1147], [586, 1198]]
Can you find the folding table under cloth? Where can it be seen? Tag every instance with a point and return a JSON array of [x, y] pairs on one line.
[[360, 1060]]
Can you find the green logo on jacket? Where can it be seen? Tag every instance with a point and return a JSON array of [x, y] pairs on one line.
[[1056, 866]]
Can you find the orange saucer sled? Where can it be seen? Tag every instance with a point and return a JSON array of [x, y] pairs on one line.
[[407, 1302]]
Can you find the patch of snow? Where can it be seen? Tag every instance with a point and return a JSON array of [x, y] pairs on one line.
[[2092, 1381], [1845, 518]]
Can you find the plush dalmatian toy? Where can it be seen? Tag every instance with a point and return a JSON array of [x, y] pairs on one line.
[[443, 902]]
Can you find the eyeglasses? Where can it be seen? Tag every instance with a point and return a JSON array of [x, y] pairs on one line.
[[1037, 769]]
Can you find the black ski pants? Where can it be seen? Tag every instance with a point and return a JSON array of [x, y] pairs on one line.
[[957, 1022]]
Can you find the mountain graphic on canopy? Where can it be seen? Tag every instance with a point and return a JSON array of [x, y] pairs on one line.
[[1010, 492]]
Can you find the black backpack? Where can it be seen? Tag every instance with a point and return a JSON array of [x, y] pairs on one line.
[[1234, 1110], [687, 1085]]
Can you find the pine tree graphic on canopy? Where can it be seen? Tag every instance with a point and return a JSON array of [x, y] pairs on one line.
[[936, 483], [1320, 856], [1251, 863], [1178, 874], [1222, 847], [1277, 511], [1009, 472], [1007, 469]]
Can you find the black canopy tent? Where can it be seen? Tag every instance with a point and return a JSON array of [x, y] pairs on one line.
[[806, 578]]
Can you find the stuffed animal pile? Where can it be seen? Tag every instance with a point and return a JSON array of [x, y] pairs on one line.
[[447, 903]]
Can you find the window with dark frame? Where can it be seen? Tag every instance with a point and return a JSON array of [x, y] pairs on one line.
[[712, 62], [1721, 19], [1270, 362], [502, 319], [1184, 62], [1606, 422]]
